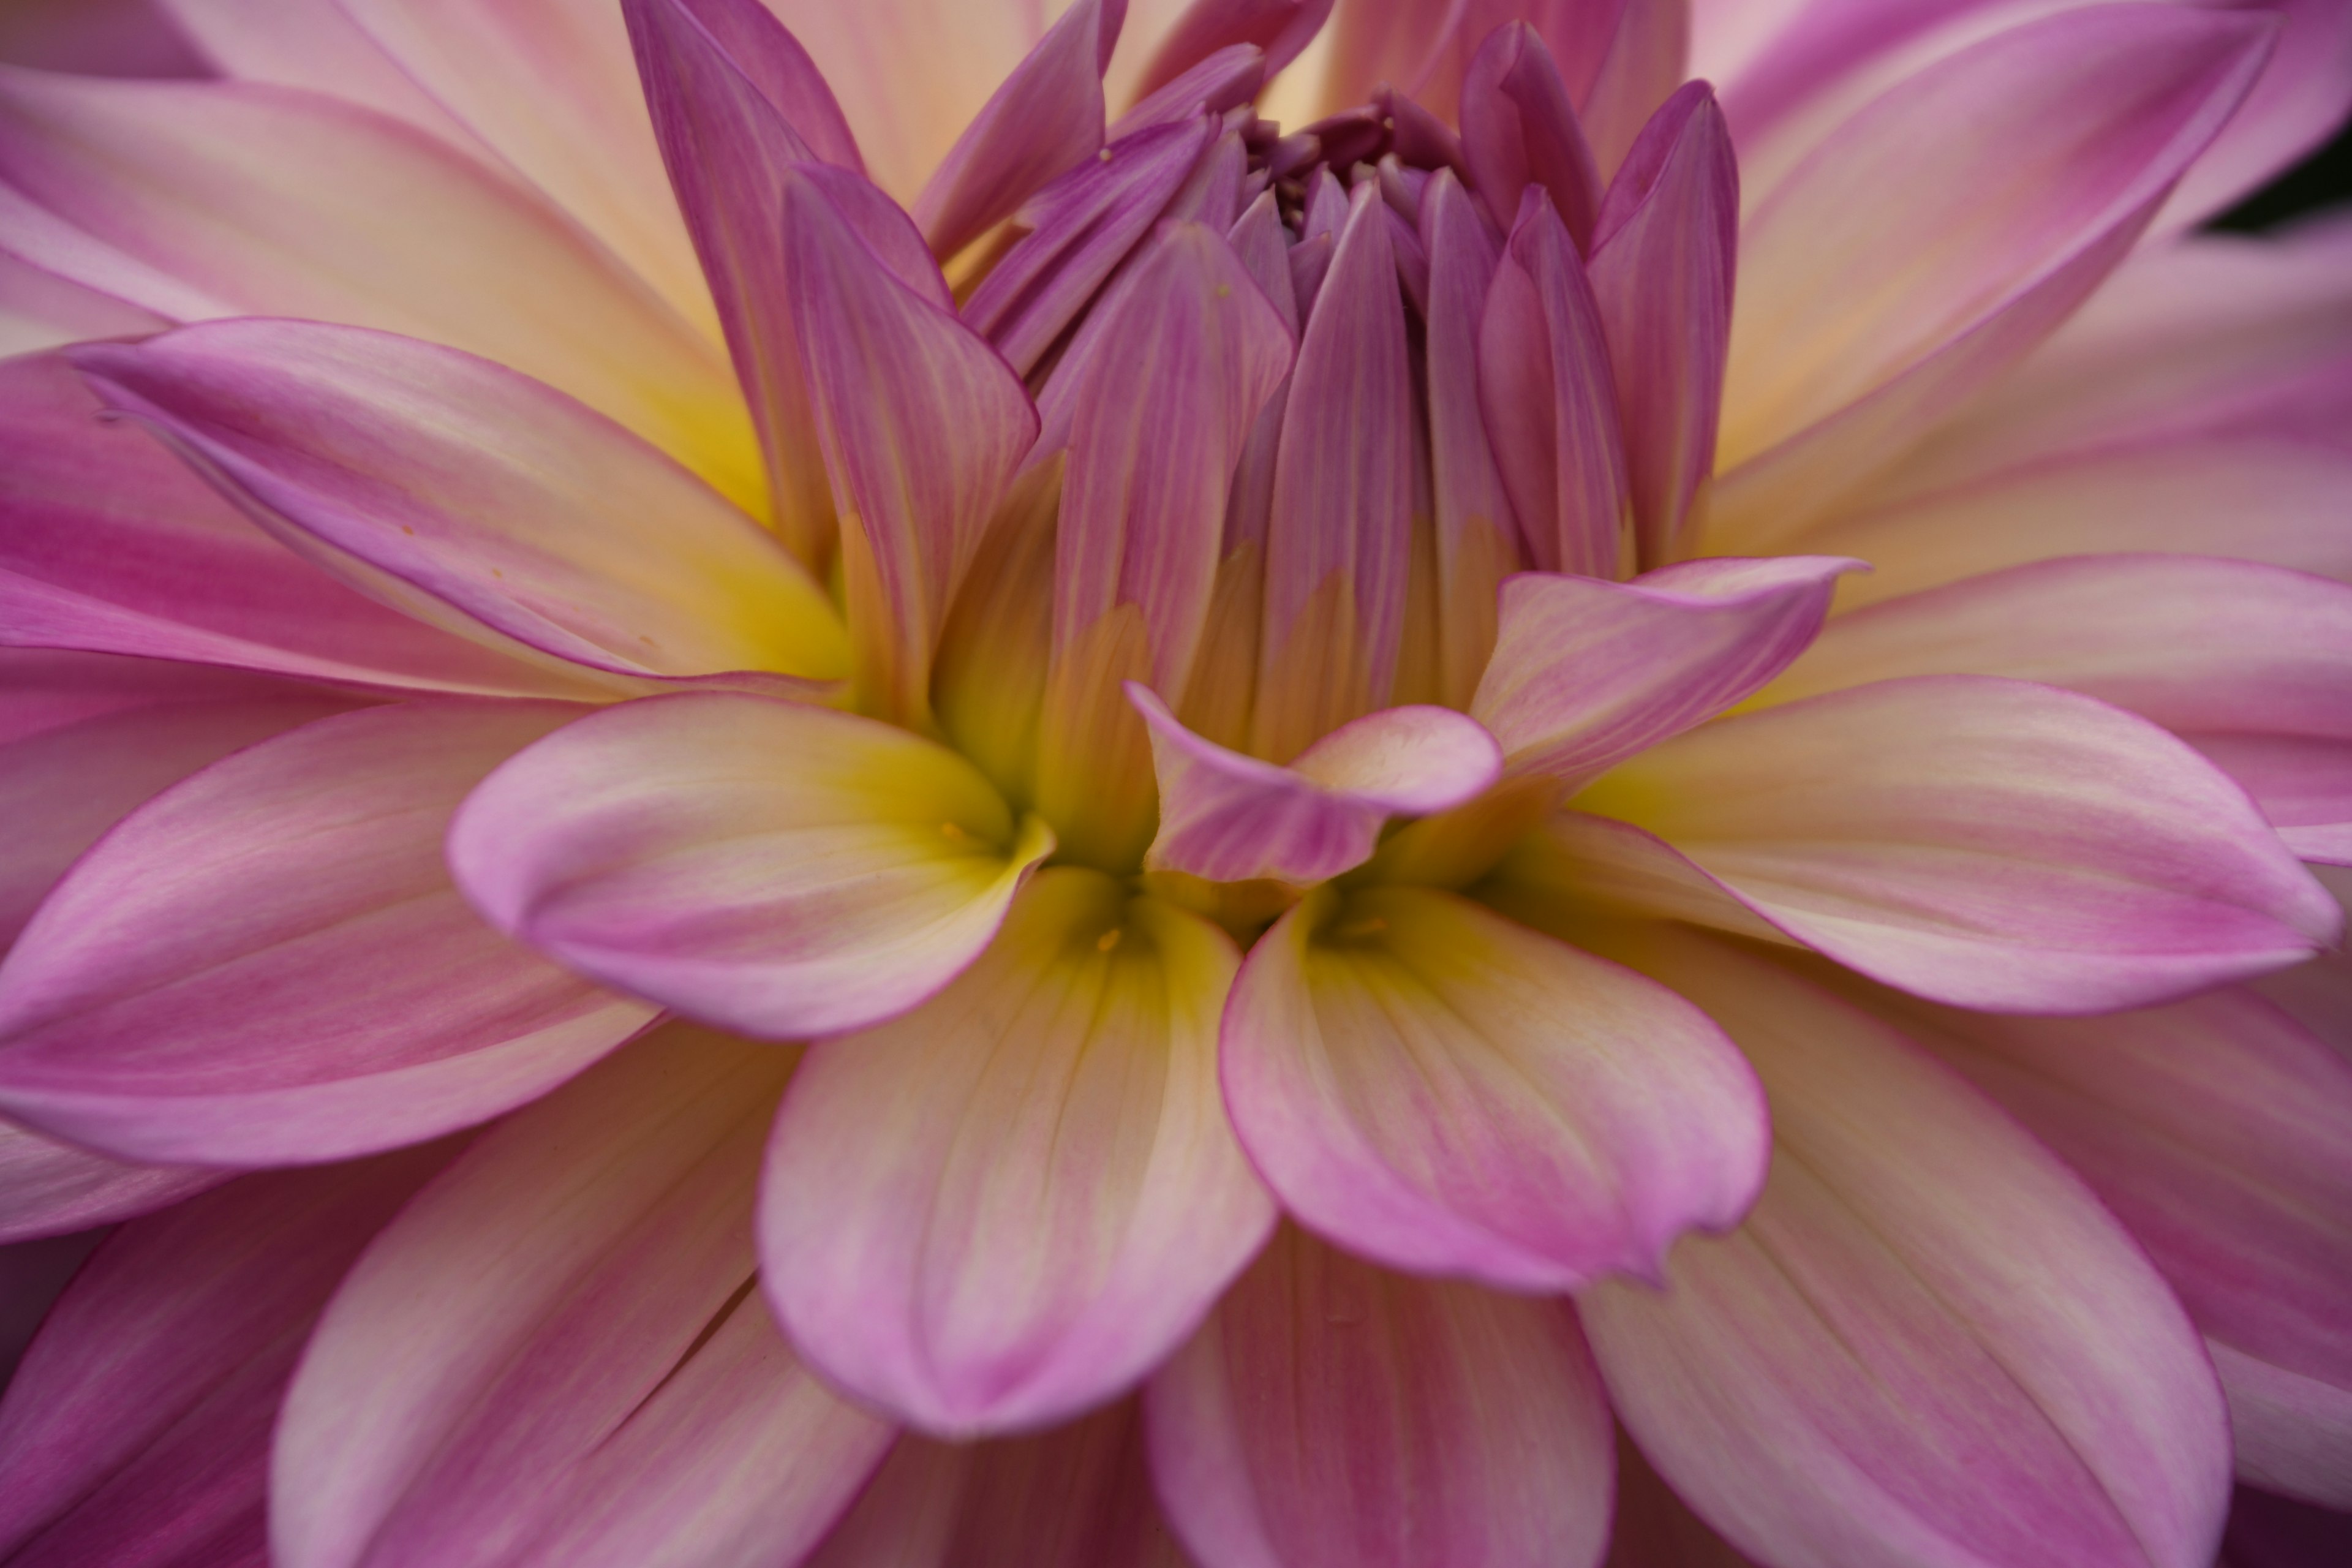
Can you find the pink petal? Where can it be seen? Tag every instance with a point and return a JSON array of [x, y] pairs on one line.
[[920, 423], [312, 45], [1424, 48], [123, 730], [736, 103], [548, 85], [1046, 119], [1902, 264], [347, 1002], [555, 1356], [1413, 1424], [1222, 79], [911, 74], [1436, 1088], [1662, 273], [1519, 129], [1081, 227], [1648, 59], [195, 200], [114, 545], [1073, 1497], [1652, 1528], [1477, 535], [1550, 402], [50, 1189], [781, 869], [1014, 1201], [106, 37], [2220, 1131], [2243, 662], [137, 1429], [2252, 498], [1231, 817], [1279, 29], [477, 500], [1586, 673], [1157, 431], [1885, 1363], [2299, 101], [40, 309], [1342, 501], [1983, 842], [2214, 336]]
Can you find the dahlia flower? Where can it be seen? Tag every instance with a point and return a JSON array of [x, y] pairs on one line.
[[1430, 784]]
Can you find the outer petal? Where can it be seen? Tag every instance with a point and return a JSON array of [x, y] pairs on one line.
[[1342, 509], [1332, 1416], [1550, 402], [2252, 498], [736, 103], [309, 44], [475, 498], [114, 545], [1661, 275], [1014, 1202], [555, 1355], [1888, 1364], [920, 424], [781, 869], [50, 1189], [1231, 817], [84, 739], [2251, 664], [548, 85], [1432, 1086], [1046, 117], [911, 74], [137, 1429], [2300, 101], [2220, 1131], [1983, 842], [1586, 673], [1902, 264], [1074, 1497], [40, 309], [304, 983], [2214, 336], [202, 199]]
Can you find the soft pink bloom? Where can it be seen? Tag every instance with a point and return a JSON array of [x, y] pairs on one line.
[[865, 784]]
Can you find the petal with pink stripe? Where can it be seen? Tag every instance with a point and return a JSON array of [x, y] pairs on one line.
[[1662, 254], [1341, 536], [1983, 842], [1887, 1365], [1010, 1205], [114, 546], [781, 869], [39, 310], [1074, 1496], [1519, 130], [1437, 1087], [478, 499], [2220, 1131], [1231, 817], [1417, 1423], [312, 45], [556, 1355], [1550, 402], [1902, 264], [1586, 673], [2249, 664], [51, 1189], [197, 200], [305, 983], [137, 1429]]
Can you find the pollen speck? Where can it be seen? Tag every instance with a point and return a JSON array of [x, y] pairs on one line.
[[1224, 290], [949, 831], [1104, 155], [1109, 939]]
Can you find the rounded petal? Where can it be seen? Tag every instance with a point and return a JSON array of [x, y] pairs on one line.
[[1332, 1415], [1928, 1343], [51, 1189], [267, 963], [1432, 1085], [1984, 842], [1015, 1201], [780, 869], [556, 1356]]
